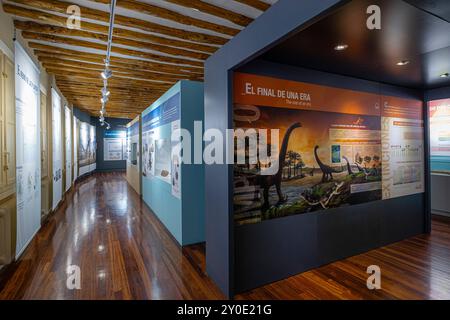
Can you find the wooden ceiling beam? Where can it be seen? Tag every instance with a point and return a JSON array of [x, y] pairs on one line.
[[123, 90], [115, 98], [58, 31], [114, 92], [99, 15], [97, 46], [111, 82], [112, 107], [171, 16], [95, 111], [113, 89], [136, 67], [211, 9], [111, 115], [53, 50], [257, 4], [116, 70], [125, 104], [63, 70], [60, 21], [116, 105]]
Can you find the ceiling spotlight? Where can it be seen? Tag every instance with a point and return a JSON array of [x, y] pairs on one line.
[[104, 99], [341, 47], [106, 74], [403, 63], [105, 92], [445, 75]]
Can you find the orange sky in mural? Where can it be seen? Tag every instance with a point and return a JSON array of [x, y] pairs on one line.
[[314, 130]]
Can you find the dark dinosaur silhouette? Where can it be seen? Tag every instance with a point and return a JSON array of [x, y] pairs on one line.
[[349, 167], [267, 181], [327, 171]]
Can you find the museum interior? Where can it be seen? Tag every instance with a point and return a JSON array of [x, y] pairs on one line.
[[224, 149]]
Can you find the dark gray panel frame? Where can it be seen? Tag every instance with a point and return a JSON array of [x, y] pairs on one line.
[[282, 19], [437, 94], [279, 248], [276, 249]]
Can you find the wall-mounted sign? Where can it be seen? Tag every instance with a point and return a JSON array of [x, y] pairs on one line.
[[157, 128], [402, 147], [68, 146], [114, 145], [28, 169], [87, 145]]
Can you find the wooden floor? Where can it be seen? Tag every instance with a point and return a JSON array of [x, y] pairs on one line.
[[124, 252]]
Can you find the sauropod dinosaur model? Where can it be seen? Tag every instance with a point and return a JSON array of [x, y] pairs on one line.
[[266, 181], [327, 171]]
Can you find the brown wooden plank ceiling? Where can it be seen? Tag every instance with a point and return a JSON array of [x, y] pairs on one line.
[[155, 44]]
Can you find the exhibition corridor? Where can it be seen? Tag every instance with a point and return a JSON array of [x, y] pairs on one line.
[[215, 152]]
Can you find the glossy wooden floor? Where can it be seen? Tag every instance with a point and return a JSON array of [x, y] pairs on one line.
[[125, 253]]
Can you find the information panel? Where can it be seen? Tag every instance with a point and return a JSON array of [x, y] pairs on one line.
[[57, 154], [157, 157], [75, 147], [68, 146], [28, 164], [333, 146], [114, 145], [403, 147], [440, 127], [86, 148]]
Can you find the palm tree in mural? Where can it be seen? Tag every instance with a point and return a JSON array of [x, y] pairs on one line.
[[300, 164], [290, 158]]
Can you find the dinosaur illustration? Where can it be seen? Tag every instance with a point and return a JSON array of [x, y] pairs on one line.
[[327, 171], [267, 181], [349, 167], [363, 170]]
